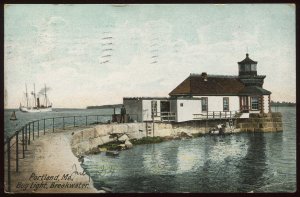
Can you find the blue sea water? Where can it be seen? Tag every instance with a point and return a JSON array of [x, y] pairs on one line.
[[22, 118], [244, 162]]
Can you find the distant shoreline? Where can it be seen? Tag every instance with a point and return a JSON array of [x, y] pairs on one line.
[[283, 104], [105, 106]]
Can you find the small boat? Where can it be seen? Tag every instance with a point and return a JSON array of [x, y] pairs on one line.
[[13, 116], [106, 189], [112, 153]]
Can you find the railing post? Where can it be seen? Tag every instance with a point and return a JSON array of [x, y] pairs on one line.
[[8, 164], [74, 121], [33, 131], [26, 137], [44, 127], [207, 115], [225, 114], [29, 134], [220, 114], [213, 114], [17, 151], [23, 143], [38, 128], [52, 124], [85, 120], [230, 114], [63, 122]]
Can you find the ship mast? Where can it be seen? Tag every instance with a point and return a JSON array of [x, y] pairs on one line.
[[34, 95], [26, 94], [46, 95]]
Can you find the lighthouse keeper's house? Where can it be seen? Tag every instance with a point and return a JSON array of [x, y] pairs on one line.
[[204, 96]]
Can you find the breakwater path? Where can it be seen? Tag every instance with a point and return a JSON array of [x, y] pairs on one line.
[[51, 167]]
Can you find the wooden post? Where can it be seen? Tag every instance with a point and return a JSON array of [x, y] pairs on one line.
[[230, 114], [207, 115], [33, 131], [63, 122], [17, 151], [74, 121], [38, 128], [29, 133], [213, 114], [85, 120], [152, 124], [52, 124], [8, 164], [225, 114], [23, 143], [44, 127], [146, 129], [26, 137], [220, 114]]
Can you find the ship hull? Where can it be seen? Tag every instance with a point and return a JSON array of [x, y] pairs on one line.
[[32, 110]]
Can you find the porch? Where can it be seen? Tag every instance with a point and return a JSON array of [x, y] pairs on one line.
[[217, 115]]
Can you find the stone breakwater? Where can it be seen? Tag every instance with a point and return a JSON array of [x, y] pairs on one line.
[[269, 122], [84, 141]]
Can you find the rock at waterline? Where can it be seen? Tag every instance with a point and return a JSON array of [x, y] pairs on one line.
[[122, 146], [123, 138], [81, 159], [128, 144], [186, 135]]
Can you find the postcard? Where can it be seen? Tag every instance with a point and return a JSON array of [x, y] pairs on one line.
[[149, 98]]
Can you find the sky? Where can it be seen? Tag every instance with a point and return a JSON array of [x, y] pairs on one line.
[[98, 54]]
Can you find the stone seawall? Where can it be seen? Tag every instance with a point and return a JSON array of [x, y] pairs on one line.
[[86, 140], [268, 122]]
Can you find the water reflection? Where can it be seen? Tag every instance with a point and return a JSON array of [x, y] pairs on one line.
[[253, 166]]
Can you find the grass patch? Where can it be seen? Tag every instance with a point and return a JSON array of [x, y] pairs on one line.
[[111, 145], [147, 140]]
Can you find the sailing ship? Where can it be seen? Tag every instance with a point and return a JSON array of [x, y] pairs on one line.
[[34, 103]]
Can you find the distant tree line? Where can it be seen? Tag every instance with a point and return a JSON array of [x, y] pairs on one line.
[[283, 103], [105, 106]]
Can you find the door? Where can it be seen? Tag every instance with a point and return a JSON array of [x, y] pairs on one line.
[[244, 104]]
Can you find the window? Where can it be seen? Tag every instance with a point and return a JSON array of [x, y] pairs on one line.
[[204, 104], [154, 107], [247, 67], [253, 67], [181, 104], [164, 106], [254, 103], [225, 104]]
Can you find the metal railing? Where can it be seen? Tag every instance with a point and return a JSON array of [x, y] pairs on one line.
[[20, 140], [216, 115], [166, 116]]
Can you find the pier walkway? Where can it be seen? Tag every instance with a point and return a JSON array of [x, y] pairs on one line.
[[50, 157]]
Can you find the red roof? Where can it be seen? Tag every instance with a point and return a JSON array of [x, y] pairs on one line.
[[215, 85], [196, 85]]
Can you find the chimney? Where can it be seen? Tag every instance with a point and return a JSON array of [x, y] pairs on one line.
[[204, 76]]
